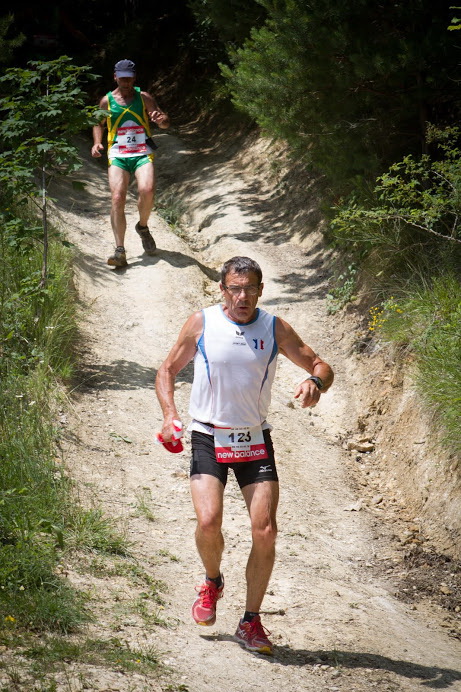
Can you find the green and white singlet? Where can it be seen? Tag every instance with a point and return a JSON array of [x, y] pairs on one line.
[[128, 127]]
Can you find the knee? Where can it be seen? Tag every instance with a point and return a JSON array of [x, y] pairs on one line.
[[146, 191], [118, 199], [265, 535], [209, 524]]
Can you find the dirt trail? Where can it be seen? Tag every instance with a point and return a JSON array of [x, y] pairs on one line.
[[336, 625]]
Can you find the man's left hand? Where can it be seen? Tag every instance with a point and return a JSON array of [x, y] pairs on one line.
[[158, 117], [308, 393]]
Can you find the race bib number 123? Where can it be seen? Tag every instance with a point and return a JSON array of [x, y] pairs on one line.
[[239, 444]]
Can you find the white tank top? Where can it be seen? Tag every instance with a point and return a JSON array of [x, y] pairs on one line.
[[234, 368]]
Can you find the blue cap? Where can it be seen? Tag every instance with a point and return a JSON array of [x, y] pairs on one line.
[[125, 68]]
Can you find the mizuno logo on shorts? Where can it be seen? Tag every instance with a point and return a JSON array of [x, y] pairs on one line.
[[265, 469]]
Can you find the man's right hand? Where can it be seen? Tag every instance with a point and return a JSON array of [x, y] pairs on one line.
[[170, 429], [96, 150]]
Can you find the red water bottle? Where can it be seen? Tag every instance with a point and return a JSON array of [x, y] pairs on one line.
[[175, 445]]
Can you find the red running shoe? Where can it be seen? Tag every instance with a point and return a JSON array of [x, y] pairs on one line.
[[204, 608], [253, 636]]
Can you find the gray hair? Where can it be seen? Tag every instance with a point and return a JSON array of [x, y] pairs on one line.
[[241, 265]]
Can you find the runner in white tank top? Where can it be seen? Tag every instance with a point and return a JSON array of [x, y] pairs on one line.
[[234, 368], [235, 348]]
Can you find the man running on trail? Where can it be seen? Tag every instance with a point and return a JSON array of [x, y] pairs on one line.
[[130, 150], [235, 348]]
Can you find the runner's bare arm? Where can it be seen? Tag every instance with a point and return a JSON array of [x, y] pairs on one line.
[[293, 347], [154, 111], [98, 130], [180, 355]]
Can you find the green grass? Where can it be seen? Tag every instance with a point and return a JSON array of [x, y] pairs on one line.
[[166, 553], [427, 323], [171, 210], [94, 651], [91, 530], [143, 506], [131, 570], [36, 338], [39, 512]]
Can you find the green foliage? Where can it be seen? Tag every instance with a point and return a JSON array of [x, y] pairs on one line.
[[8, 45], [420, 193], [455, 22], [428, 323], [143, 507], [342, 291], [37, 323], [408, 241], [413, 216], [346, 84], [37, 331], [232, 20], [42, 108]]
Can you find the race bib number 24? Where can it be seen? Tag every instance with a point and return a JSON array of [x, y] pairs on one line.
[[131, 141]]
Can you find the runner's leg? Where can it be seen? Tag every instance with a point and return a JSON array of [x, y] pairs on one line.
[[261, 500], [207, 497], [118, 183], [145, 178]]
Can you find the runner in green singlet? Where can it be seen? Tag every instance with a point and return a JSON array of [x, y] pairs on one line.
[[130, 151]]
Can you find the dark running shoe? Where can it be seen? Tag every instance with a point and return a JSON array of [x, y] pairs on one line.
[[148, 243], [118, 259], [253, 636], [204, 608]]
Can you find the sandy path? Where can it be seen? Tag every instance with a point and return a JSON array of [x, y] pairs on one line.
[[336, 626]]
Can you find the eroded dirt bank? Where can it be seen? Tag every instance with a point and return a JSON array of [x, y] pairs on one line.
[[332, 611]]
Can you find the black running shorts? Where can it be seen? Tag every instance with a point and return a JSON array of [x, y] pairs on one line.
[[246, 472]]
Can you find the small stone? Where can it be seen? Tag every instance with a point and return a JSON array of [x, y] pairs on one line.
[[377, 499], [356, 507], [360, 446], [179, 473], [446, 590]]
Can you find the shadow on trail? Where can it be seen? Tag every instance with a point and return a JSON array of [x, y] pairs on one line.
[[175, 259], [432, 677], [97, 268], [121, 375], [178, 259]]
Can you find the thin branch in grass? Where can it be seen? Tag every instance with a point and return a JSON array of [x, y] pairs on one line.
[[428, 229]]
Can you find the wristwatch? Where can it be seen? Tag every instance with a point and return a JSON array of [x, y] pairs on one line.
[[317, 381]]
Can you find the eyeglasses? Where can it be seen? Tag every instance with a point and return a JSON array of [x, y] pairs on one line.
[[236, 290]]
